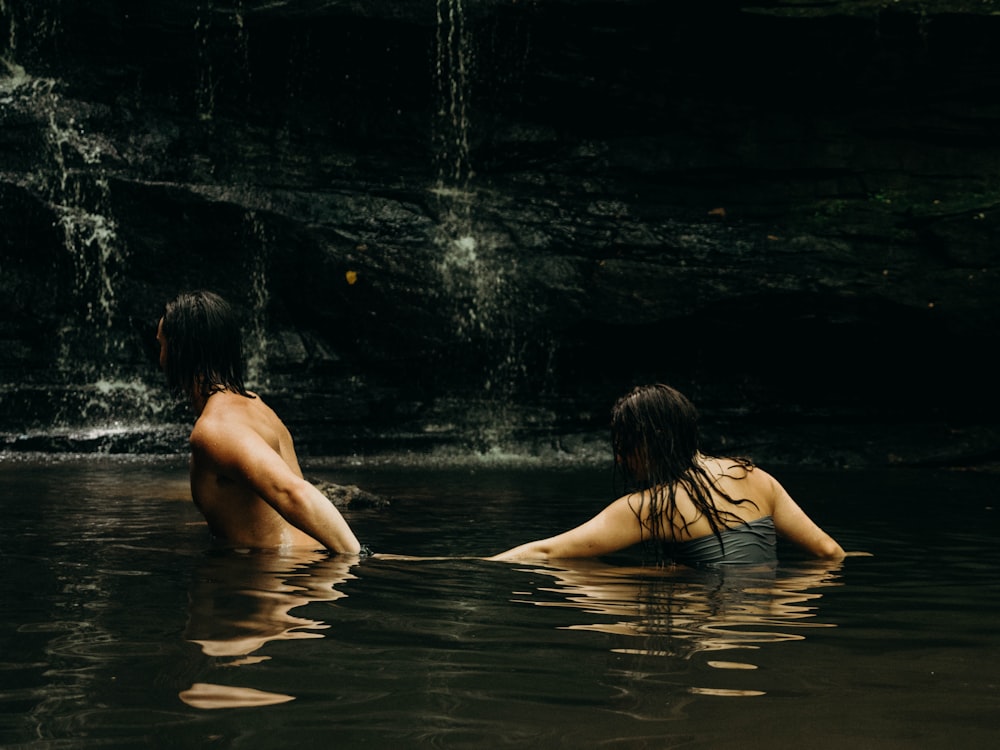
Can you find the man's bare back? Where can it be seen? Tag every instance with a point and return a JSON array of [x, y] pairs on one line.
[[246, 480], [245, 477], [235, 513]]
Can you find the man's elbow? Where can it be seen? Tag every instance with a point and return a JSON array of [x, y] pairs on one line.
[[347, 546]]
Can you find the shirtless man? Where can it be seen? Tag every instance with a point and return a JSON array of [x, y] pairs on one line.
[[245, 477]]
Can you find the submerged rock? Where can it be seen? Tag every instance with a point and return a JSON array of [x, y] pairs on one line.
[[350, 495]]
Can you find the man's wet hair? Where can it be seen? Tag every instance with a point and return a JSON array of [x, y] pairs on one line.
[[204, 345]]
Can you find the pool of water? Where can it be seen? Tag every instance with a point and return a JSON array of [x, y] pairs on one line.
[[124, 628]]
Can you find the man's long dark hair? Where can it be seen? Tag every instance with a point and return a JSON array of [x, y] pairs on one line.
[[654, 434], [204, 345]]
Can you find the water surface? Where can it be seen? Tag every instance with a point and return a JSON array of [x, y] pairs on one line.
[[124, 627]]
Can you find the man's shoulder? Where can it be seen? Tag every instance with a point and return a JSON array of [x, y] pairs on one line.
[[207, 431], [233, 425], [220, 422]]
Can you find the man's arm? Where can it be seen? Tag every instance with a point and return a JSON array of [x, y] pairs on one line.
[[614, 528], [244, 456]]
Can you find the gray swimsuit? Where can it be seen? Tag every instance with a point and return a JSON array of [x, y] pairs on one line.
[[750, 543]]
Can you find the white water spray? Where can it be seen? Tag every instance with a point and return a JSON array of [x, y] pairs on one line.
[[71, 181], [478, 278]]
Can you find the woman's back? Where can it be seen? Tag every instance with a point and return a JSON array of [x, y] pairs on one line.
[[736, 492], [688, 497]]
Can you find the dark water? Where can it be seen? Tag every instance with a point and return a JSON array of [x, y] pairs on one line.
[[123, 628]]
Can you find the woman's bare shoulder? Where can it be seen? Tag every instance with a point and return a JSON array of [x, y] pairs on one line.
[[742, 479]]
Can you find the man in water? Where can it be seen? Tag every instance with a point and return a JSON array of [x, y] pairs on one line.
[[245, 477]]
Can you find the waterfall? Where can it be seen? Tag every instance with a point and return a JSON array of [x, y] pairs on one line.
[[453, 71], [78, 193], [478, 272], [81, 204], [220, 37], [459, 265], [87, 389], [256, 340], [205, 87]]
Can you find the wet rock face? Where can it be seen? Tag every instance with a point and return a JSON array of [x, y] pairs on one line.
[[440, 216]]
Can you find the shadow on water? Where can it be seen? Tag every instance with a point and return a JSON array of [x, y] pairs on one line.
[[125, 627]]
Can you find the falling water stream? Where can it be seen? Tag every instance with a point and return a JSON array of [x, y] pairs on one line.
[[73, 184], [477, 273]]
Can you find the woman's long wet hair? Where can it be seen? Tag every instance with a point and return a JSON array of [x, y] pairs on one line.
[[204, 345], [654, 434]]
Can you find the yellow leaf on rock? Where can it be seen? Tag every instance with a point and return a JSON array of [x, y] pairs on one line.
[[351, 276]]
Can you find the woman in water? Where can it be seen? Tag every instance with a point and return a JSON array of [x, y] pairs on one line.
[[691, 508]]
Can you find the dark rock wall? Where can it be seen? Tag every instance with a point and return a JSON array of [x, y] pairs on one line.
[[481, 221]]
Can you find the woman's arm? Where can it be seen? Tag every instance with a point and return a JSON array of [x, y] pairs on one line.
[[614, 528], [792, 523]]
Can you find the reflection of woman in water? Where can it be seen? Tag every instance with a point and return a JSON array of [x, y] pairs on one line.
[[686, 506], [681, 611]]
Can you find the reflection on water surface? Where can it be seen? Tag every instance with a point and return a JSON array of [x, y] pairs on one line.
[[678, 612], [241, 600], [123, 625]]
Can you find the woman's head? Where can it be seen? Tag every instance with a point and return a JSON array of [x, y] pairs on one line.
[[201, 349], [654, 434]]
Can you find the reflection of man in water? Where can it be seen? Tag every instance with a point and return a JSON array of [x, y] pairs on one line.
[[245, 477], [241, 602]]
